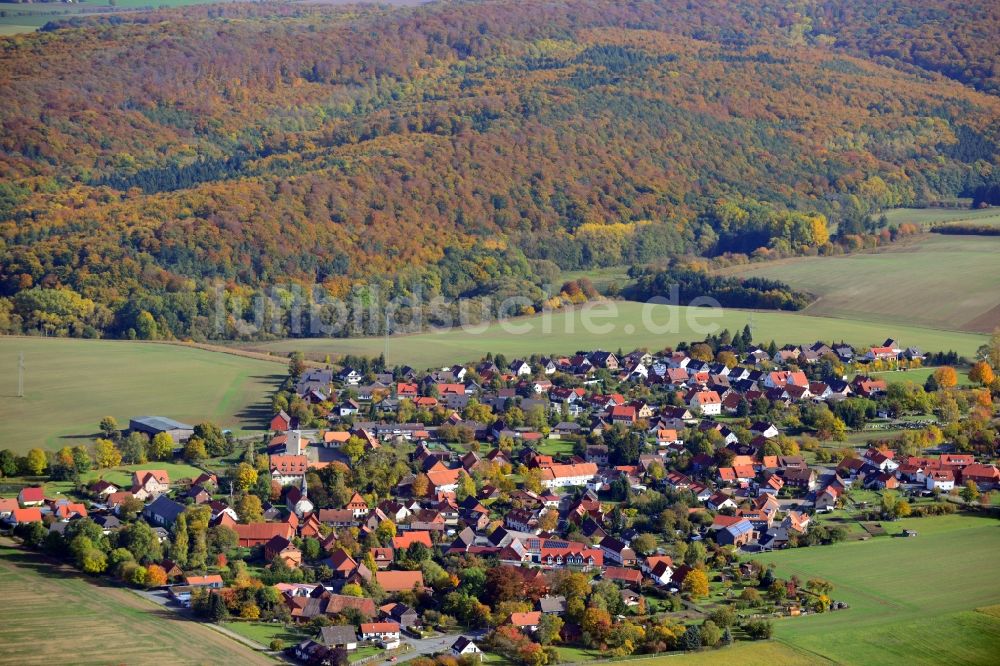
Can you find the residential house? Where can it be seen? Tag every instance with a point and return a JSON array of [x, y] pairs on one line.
[[617, 551], [339, 636], [465, 647], [289, 470], [150, 483], [162, 511], [31, 496], [383, 632]]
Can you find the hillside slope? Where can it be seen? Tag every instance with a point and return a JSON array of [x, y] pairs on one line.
[[156, 165]]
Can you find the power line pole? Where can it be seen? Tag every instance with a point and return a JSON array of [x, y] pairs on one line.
[[20, 375]]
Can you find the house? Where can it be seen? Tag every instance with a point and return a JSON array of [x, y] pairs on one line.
[[526, 622], [623, 575], [102, 489], [154, 425], [943, 480], [796, 521], [560, 476], [555, 605], [31, 496], [707, 403], [357, 505], [149, 483], [986, 477], [444, 480], [464, 646], [622, 414], [27, 515], [884, 459], [399, 581], [401, 614], [799, 478], [827, 499], [257, 534], [162, 511], [349, 376], [737, 533], [384, 632], [289, 470], [339, 636], [282, 548], [719, 501], [213, 581], [282, 422], [404, 540], [617, 551]]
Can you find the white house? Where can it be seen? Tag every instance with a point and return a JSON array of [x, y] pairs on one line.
[[560, 476], [706, 402], [463, 646], [386, 632], [520, 367], [943, 480]]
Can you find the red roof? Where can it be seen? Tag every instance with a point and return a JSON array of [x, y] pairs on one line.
[[399, 581], [290, 464], [32, 494], [623, 574], [526, 619], [379, 627], [258, 533], [406, 539], [32, 515]]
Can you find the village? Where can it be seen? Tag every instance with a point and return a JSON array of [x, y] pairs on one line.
[[517, 510]]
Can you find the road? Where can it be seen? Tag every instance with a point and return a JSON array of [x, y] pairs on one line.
[[441, 643]]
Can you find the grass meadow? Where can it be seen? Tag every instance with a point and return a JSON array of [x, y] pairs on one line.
[[24, 18], [936, 281], [913, 600], [620, 324], [71, 384], [52, 615]]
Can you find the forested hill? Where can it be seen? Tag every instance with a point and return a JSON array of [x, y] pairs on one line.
[[471, 149]]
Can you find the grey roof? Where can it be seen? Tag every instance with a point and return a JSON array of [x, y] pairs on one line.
[[552, 604], [160, 423], [165, 507], [340, 634]]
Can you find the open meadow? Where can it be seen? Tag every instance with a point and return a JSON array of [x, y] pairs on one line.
[[22, 18], [620, 324], [53, 614], [71, 384], [938, 281], [912, 600]]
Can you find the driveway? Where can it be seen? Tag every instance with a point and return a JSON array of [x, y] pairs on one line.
[[442, 643]]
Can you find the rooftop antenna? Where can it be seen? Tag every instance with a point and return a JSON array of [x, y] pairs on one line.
[[20, 375]]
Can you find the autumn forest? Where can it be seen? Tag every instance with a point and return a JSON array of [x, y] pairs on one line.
[[154, 163]]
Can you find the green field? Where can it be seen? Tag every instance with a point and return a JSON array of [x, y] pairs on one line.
[[601, 278], [122, 476], [912, 600], [265, 632], [71, 384], [918, 376], [928, 216], [619, 324], [53, 615], [937, 281], [21, 18]]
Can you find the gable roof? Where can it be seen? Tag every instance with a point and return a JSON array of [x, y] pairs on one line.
[[399, 581]]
